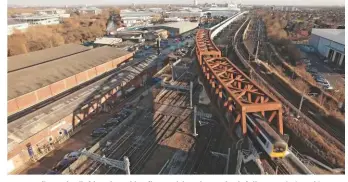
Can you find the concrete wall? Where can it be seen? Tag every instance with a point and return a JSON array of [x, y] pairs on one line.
[[37, 96]]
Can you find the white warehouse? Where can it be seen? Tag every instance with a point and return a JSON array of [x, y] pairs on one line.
[[39, 20], [13, 25], [330, 44]]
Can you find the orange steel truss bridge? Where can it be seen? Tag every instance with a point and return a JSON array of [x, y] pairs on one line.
[[236, 93]]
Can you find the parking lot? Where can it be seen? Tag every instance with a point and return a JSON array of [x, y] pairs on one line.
[[334, 79]]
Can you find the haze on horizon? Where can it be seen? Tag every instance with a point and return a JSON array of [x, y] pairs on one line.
[[115, 2]]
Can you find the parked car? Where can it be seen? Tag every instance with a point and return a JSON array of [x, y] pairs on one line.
[[99, 132], [52, 172], [111, 123], [319, 78], [328, 87], [312, 70], [72, 156], [307, 62], [62, 165], [325, 84]]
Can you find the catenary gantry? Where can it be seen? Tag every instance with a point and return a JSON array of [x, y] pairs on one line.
[[235, 91]]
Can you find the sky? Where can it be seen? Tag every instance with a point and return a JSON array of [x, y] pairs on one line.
[[103, 2]]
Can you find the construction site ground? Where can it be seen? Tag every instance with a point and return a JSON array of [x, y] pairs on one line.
[[159, 140], [154, 136]]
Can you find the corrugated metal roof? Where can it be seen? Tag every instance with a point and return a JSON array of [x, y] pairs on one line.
[[336, 35], [32, 78], [38, 57], [11, 21], [107, 40], [24, 127], [179, 24]]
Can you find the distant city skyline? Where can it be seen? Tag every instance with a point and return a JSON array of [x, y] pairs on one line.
[[125, 2]]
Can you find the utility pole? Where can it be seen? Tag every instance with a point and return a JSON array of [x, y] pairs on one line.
[[126, 165], [299, 109], [194, 121], [270, 58], [228, 160], [249, 58], [191, 93], [226, 156], [257, 50], [258, 40], [173, 74]]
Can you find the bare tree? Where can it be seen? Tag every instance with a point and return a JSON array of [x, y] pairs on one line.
[[301, 85], [76, 29]]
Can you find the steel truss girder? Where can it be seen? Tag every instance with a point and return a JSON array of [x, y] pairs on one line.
[[204, 46], [242, 93], [236, 92]]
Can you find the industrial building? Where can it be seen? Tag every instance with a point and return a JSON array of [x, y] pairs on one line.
[[109, 41], [184, 14], [176, 28], [136, 36], [13, 25], [90, 10], [132, 18], [47, 74], [51, 11], [39, 20], [144, 15], [52, 71], [330, 44], [156, 10], [228, 10]]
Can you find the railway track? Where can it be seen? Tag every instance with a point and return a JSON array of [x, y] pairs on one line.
[[218, 163], [277, 164], [319, 128], [337, 133], [140, 146], [141, 155]]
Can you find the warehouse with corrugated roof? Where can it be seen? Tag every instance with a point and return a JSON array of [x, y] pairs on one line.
[[330, 44], [177, 28], [38, 76]]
